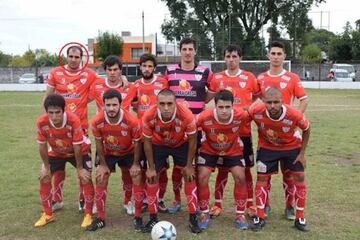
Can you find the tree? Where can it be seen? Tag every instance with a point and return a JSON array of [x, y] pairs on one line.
[[26, 60], [320, 37], [5, 59], [229, 21], [311, 54], [108, 44]]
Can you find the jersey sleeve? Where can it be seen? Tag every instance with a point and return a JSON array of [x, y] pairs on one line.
[[95, 127], [190, 124], [255, 85], [41, 135], [210, 79], [126, 102], [213, 86], [135, 129], [51, 79], [299, 89], [303, 123]]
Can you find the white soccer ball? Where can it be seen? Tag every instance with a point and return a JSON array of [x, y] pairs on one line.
[[163, 230]]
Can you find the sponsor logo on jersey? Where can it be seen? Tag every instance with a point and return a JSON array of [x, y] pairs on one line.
[[124, 133], [285, 129], [185, 85], [258, 116], [283, 85], [111, 139], [145, 100], [242, 84], [124, 125], [208, 123], [234, 129], [242, 76], [287, 121], [72, 107]]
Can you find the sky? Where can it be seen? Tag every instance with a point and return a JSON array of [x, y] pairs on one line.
[[51, 24]]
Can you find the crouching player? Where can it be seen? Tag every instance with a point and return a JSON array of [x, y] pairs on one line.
[[222, 142], [278, 141], [61, 130], [117, 135]]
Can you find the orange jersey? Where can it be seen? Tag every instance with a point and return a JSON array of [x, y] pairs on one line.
[[243, 85], [62, 139], [288, 83], [279, 134], [147, 93], [118, 139], [222, 139], [101, 85], [172, 133], [74, 87]]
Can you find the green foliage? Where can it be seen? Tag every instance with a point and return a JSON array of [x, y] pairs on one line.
[[320, 37], [5, 59], [26, 60], [340, 48], [311, 54], [108, 44]]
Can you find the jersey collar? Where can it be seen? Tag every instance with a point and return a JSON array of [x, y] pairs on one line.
[[159, 115], [277, 75], [63, 123], [217, 119], [281, 117], [236, 75], [116, 86], [118, 122], [149, 83]]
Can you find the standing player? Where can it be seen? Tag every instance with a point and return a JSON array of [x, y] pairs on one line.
[[73, 83], [189, 82], [221, 126], [277, 126], [61, 130], [147, 89], [113, 68], [244, 86], [117, 134], [169, 129], [290, 86]]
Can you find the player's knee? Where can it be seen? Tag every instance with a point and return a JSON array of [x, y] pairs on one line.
[[299, 177], [203, 178], [263, 178], [44, 179]]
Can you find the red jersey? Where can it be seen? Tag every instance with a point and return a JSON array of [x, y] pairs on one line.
[[102, 85], [118, 139], [74, 87], [62, 139], [172, 133], [243, 85], [288, 83], [222, 139], [279, 134], [147, 93]]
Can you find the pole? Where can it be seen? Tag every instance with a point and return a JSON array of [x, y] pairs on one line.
[[143, 34], [229, 28]]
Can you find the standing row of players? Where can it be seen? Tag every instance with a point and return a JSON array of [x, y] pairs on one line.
[[168, 128]]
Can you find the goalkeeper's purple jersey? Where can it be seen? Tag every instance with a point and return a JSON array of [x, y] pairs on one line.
[[189, 86]]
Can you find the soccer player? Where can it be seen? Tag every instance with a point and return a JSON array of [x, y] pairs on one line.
[[244, 87], [278, 142], [113, 68], [290, 86], [117, 134], [170, 129], [147, 89], [62, 132], [189, 82], [73, 83], [221, 126]]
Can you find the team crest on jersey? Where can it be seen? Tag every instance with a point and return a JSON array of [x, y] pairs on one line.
[[157, 128], [258, 116], [198, 77], [285, 129], [208, 123], [242, 84], [287, 121], [124, 125], [124, 133], [177, 129], [234, 129], [286, 78], [83, 80], [283, 85], [242, 76]]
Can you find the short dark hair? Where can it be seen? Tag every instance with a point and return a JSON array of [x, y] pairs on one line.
[[166, 92], [233, 48], [187, 40], [224, 95], [111, 93], [54, 100], [148, 57], [277, 44], [111, 60], [76, 48]]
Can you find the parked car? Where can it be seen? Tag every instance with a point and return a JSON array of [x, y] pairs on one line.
[[27, 78], [341, 75], [347, 67]]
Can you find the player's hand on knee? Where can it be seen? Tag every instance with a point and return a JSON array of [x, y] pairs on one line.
[[84, 175], [45, 174], [189, 173], [135, 170], [151, 175], [102, 172]]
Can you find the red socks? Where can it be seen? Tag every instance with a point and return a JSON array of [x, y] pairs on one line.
[[250, 188], [204, 197], [139, 196], [58, 179], [127, 185], [191, 196], [289, 189], [45, 197], [300, 198], [240, 195], [152, 197], [220, 183], [261, 195], [163, 181], [88, 197], [100, 199]]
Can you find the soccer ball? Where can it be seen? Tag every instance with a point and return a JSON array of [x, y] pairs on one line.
[[163, 230]]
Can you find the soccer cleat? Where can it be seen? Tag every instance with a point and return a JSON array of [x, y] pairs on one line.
[[203, 220], [55, 206], [258, 224], [86, 221], [300, 224], [81, 205], [193, 224], [162, 207], [241, 223], [129, 208], [96, 224], [44, 219], [267, 210], [251, 211], [215, 211], [138, 224], [175, 207], [290, 213], [150, 224]]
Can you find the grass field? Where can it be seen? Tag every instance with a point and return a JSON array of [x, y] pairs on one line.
[[333, 206]]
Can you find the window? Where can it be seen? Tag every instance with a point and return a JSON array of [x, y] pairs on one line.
[[137, 52]]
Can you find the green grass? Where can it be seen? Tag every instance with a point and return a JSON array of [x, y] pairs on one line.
[[333, 206]]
